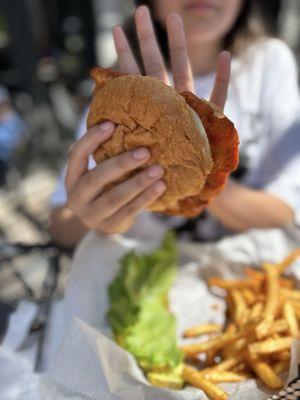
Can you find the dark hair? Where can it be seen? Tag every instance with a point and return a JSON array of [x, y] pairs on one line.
[[247, 29]]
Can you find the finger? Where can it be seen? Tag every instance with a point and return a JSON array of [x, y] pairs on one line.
[[110, 229], [219, 93], [114, 199], [126, 59], [152, 58], [92, 183], [83, 148], [126, 214], [181, 68]]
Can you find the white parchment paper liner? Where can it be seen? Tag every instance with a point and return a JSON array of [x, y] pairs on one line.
[[89, 365]]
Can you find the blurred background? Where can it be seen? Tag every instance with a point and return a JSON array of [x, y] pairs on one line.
[[47, 49]]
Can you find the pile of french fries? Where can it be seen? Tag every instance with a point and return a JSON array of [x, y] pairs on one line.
[[263, 319]]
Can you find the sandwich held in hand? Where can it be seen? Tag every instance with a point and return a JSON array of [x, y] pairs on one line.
[[193, 141]]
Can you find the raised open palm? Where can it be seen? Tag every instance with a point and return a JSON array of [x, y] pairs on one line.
[[180, 65]]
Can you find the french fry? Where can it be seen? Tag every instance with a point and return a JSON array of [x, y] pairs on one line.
[[270, 346], [288, 260], [272, 281], [206, 370], [223, 376], [290, 294], [231, 328], [279, 326], [227, 352], [241, 311], [215, 343], [256, 311], [230, 363], [265, 373], [233, 284], [202, 329], [196, 379], [286, 283], [296, 311], [296, 304], [249, 297], [260, 276], [218, 342], [290, 316], [254, 274], [281, 366]]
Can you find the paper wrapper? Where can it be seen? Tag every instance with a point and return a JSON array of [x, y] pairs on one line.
[[89, 365]]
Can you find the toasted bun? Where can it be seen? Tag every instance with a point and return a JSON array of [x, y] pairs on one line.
[[195, 143], [149, 113]]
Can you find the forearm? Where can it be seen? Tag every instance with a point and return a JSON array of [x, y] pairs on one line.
[[240, 208], [65, 228]]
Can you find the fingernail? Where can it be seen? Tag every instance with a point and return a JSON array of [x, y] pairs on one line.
[[107, 126], [155, 171], [225, 53], [174, 16], [140, 154], [160, 187], [142, 9]]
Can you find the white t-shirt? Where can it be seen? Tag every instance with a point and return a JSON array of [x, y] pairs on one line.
[[264, 104]]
